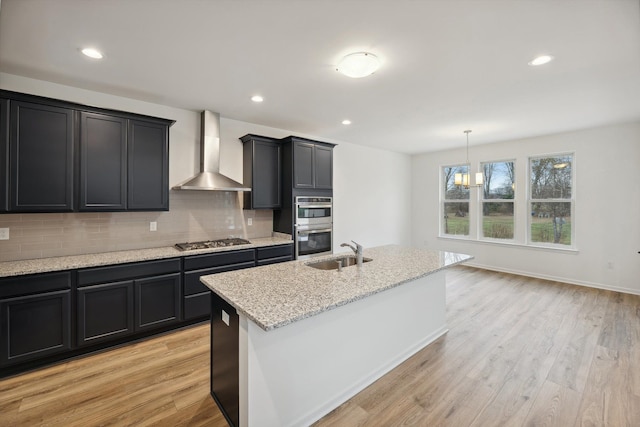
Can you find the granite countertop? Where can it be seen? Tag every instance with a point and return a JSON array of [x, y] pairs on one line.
[[275, 295], [45, 265]]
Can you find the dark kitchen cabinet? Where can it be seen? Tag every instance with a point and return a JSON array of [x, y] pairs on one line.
[[312, 165], [262, 171], [118, 300], [41, 153], [4, 153], [157, 301], [104, 312], [225, 359], [35, 317], [307, 170], [274, 254], [148, 157], [197, 297], [103, 162], [63, 157]]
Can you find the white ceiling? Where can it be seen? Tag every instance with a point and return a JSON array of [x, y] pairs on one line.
[[448, 65]]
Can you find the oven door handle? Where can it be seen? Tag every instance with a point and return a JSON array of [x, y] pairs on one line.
[[324, 230], [314, 206]]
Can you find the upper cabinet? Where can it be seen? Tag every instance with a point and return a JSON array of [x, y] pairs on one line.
[[262, 171], [148, 155], [69, 157], [312, 164], [103, 162], [41, 156]]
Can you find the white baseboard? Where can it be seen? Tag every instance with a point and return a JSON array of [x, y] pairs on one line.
[[556, 278]]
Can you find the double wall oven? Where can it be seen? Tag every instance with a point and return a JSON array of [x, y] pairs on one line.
[[313, 226]]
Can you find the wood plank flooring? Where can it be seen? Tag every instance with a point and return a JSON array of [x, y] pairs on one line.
[[519, 352]]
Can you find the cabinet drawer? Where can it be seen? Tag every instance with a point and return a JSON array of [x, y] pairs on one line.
[[115, 273], [275, 251], [198, 305], [218, 259], [36, 283], [192, 283], [274, 260]]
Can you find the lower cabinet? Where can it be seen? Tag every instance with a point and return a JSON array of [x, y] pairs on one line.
[[105, 312], [157, 301], [36, 325], [117, 301]]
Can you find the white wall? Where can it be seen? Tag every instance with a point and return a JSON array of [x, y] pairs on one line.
[[607, 210], [372, 191]]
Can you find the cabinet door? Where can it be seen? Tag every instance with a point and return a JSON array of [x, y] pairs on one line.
[[104, 312], [266, 176], [103, 162], [148, 174], [41, 144], [35, 326], [158, 301], [303, 176], [323, 167], [4, 154]]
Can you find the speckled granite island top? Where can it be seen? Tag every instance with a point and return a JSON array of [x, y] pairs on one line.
[[275, 295], [45, 265]]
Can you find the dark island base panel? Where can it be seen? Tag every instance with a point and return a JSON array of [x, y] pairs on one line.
[[225, 367], [67, 356]]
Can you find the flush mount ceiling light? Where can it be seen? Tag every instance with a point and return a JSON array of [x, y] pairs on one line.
[[359, 64], [346, 122], [541, 60], [257, 98], [92, 53], [464, 179]]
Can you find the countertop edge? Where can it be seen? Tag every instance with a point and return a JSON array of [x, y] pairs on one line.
[[275, 325], [72, 262]]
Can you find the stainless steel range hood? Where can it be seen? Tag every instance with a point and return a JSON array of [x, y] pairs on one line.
[[210, 177]]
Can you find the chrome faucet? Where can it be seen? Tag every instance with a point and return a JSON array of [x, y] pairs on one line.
[[356, 250]]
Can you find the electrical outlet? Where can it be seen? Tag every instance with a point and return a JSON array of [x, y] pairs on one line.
[[610, 265], [249, 221], [4, 234], [153, 226]]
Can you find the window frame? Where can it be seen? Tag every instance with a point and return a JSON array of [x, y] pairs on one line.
[[444, 200], [482, 200], [530, 201]]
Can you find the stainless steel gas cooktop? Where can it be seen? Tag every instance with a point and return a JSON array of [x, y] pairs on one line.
[[220, 243]]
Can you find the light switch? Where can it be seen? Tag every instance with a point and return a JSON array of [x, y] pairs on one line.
[[225, 317]]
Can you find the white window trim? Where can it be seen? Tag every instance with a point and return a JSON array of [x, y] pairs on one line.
[[528, 241]]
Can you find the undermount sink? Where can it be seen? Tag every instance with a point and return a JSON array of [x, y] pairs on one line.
[[334, 263]]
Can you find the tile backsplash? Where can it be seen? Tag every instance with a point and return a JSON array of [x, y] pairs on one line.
[[193, 216]]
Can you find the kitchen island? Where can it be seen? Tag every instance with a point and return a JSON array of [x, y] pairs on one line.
[[291, 342]]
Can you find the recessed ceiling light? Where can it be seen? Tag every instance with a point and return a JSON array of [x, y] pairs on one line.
[[359, 64], [541, 60], [257, 98], [92, 53], [346, 122]]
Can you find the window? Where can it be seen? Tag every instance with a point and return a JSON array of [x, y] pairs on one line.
[[497, 200], [551, 200], [455, 202]]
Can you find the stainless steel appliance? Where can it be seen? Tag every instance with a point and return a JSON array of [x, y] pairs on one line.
[[220, 243], [313, 226]]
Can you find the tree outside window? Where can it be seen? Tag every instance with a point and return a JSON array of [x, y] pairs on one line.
[[551, 199], [497, 200], [455, 202]]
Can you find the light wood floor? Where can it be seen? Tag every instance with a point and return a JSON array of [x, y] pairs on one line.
[[520, 352]]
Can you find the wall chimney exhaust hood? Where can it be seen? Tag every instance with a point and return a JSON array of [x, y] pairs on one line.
[[210, 177]]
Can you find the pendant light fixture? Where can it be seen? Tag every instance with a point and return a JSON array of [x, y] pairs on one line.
[[464, 179]]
